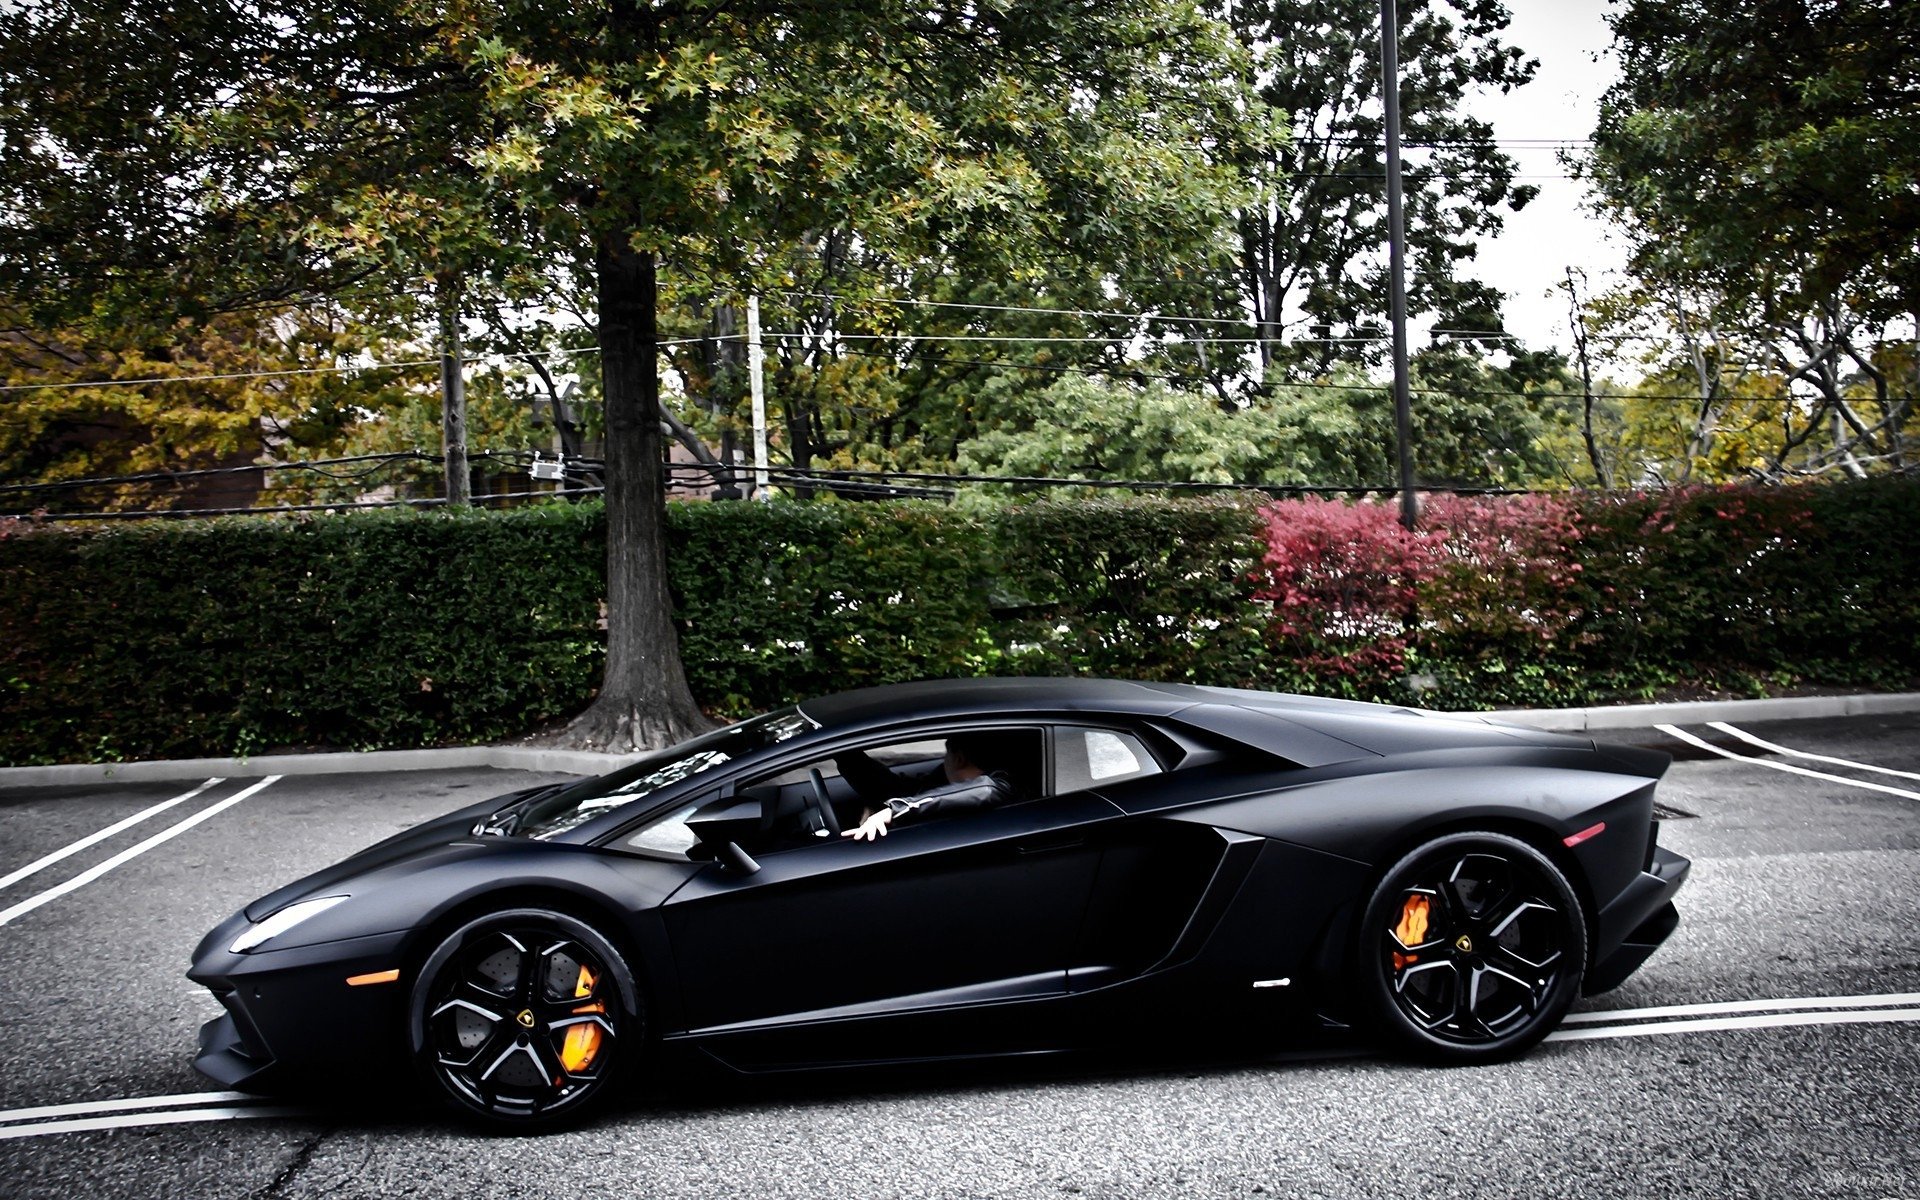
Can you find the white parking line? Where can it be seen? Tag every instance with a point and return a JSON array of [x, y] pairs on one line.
[[93, 839], [132, 1120], [1691, 740], [97, 870], [1710, 1024], [1892, 1000], [138, 1111], [96, 1107], [1744, 736]]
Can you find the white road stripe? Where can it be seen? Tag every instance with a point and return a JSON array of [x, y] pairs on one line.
[[134, 1120], [1744, 736], [1779, 766], [95, 1107], [137, 1111], [1710, 1024], [92, 839], [96, 871], [1893, 1000]]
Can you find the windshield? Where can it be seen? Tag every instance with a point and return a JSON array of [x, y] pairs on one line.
[[553, 815]]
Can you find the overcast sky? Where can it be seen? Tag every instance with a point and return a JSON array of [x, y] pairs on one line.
[[1570, 38]]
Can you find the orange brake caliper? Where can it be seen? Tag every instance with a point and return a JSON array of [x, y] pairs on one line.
[[583, 1040], [1412, 929]]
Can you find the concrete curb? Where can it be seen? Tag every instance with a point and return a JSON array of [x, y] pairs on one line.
[[1695, 712], [583, 762], [520, 758]]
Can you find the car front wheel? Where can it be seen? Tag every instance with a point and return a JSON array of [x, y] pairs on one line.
[[1471, 949], [525, 1018]]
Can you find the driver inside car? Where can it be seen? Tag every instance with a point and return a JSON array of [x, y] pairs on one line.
[[973, 778]]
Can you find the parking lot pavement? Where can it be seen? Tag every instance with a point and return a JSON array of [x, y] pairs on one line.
[[1804, 889]]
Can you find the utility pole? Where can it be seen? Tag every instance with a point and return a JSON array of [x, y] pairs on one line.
[[1397, 259], [756, 363], [453, 393]]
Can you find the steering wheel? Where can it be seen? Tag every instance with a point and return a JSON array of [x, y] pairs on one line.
[[821, 804]]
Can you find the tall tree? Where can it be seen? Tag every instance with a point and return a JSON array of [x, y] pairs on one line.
[[529, 146], [1313, 260], [95, 399], [1761, 155]]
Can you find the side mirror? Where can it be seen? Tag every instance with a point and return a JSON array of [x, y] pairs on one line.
[[733, 858]]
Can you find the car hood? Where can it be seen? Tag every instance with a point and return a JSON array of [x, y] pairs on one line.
[[407, 844]]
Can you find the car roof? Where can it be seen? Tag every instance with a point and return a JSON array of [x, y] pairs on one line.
[[1310, 730], [1014, 694], [986, 696]]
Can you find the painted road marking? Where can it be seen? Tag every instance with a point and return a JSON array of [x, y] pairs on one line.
[[93, 839], [1744, 736], [133, 1120], [138, 1111], [1691, 740], [1711, 1024], [94, 872], [96, 1107], [1739, 1006]]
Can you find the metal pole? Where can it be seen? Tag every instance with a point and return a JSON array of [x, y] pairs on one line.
[[453, 395], [1397, 258], [755, 362]]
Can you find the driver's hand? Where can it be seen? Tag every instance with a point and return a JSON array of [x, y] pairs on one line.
[[873, 827]]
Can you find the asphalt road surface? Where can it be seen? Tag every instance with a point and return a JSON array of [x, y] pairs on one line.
[[1771, 1048]]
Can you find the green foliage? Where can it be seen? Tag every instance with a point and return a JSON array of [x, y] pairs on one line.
[[1475, 424], [1760, 158], [1766, 145], [784, 600], [100, 398], [401, 629], [1081, 428], [1313, 248], [354, 631], [1139, 589]]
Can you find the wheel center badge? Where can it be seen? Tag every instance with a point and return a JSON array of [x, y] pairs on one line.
[[1464, 944], [526, 1015]]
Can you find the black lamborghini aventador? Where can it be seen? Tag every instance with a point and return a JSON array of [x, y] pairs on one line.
[[1158, 852]]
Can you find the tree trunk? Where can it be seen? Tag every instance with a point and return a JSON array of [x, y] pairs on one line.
[[644, 702]]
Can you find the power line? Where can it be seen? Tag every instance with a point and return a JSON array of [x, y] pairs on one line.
[[827, 475], [500, 358], [1239, 322], [317, 464], [43, 387], [420, 502], [1097, 369], [1087, 339]]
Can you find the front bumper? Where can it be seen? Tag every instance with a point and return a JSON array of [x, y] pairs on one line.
[[291, 1015], [1640, 918]]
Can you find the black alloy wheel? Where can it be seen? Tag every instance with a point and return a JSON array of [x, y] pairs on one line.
[[525, 1017], [1472, 948]]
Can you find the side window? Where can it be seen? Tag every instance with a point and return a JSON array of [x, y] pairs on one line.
[[1083, 758], [666, 835]]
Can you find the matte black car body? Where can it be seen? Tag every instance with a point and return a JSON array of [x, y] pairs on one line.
[[1236, 872]]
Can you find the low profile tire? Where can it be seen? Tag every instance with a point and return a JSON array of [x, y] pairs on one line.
[[1471, 949], [525, 1019]]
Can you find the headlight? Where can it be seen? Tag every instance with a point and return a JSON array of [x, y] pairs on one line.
[[280, 921]]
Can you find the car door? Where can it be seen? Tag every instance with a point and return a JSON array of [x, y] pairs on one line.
[[963, 909]]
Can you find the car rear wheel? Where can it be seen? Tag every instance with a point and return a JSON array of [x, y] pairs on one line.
[[1471, 949], [525, 1018]]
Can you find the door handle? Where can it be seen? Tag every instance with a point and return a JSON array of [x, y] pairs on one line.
[[1048, 845]]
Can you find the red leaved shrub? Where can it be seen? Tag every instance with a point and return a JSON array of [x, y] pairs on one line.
[[1358, 600]]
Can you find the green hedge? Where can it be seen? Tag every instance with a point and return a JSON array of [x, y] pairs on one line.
[[407, 629], [394, 629], [778, 601], [164, 638]]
